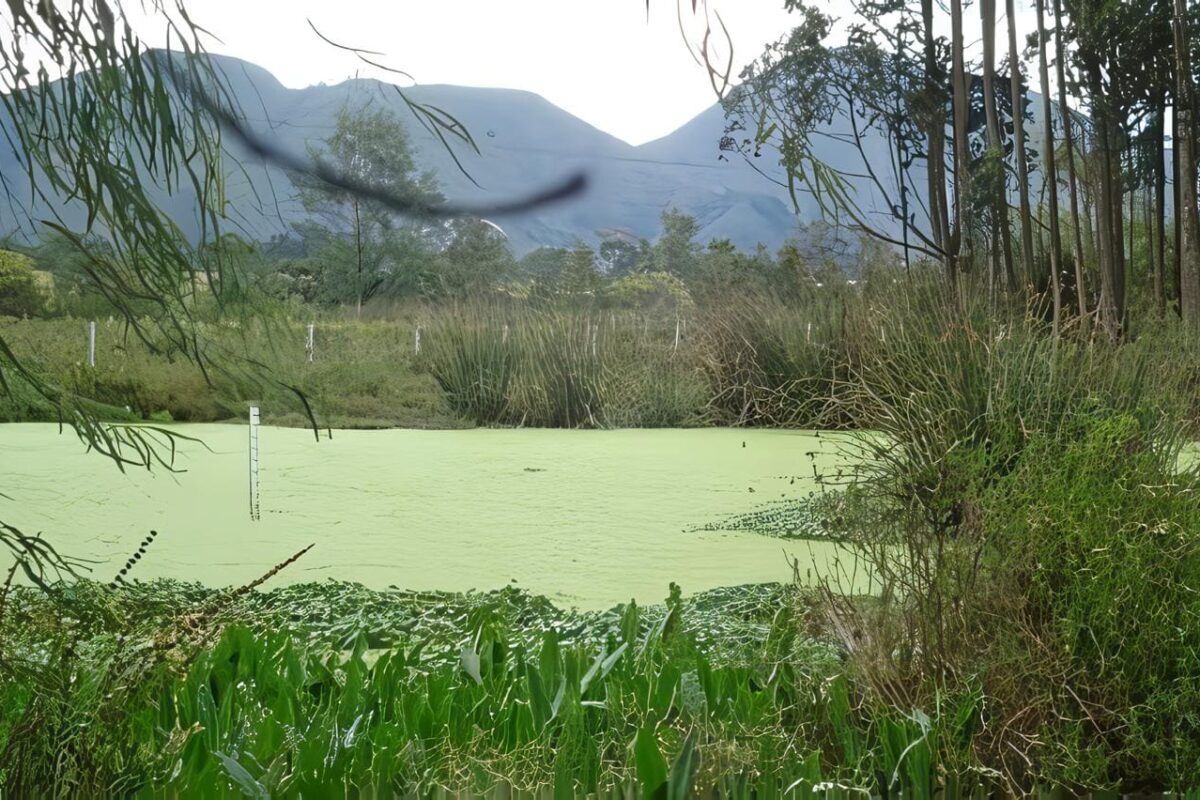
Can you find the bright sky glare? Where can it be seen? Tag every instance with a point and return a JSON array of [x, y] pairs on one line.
[[601, 60], [605, 61]]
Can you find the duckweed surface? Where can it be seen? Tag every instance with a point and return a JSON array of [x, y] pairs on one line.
[[586, 518]]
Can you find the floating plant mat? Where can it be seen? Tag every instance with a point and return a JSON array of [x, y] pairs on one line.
[[585, 518], [811, 518], [729, 622]]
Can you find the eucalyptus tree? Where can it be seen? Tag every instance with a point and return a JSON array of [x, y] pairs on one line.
[[1001, 232], [882, 82], [1017, 96], [1068, 131], [961, 109], [1116, 67], [1115, 49], [1051, 165], [1189, 251], [932, 111], [801, 91], [371, 147]]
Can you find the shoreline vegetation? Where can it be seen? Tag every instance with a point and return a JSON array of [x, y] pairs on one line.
[[1026, 625], [512, 363]]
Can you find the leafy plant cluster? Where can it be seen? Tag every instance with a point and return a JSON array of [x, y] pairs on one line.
[[331, 687], [1026, 508]]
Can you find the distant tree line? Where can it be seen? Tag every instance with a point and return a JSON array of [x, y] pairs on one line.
[[353, 250]]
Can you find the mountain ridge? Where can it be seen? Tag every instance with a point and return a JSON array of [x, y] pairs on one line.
[[525, 143]]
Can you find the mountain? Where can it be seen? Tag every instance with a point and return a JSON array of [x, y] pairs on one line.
[[526, 143]]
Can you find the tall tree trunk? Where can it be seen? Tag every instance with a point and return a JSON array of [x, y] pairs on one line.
[[939, 212], [1116, 190], [1017, 92], [1189, 257], [1158, 206], [1001, 231], [900, 158], [358, 248], [1132, 259], [1069, 141], [1107, 254], [962, 156], [1051, 179], [1152, 241], [1177, 287]]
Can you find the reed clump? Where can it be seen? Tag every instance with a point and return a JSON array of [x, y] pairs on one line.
[[1028, 515]]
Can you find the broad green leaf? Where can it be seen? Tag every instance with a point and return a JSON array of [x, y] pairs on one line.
[[245, 781], [470, 665], [683, 770], [649, 762]]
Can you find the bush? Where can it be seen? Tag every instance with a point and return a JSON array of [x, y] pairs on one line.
[[769, 364], [20, 295], [472, 360], [1095, 619], [1028, 533], [654, 292], [550, 366]]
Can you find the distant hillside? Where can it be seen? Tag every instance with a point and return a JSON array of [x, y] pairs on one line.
[[527, 143]]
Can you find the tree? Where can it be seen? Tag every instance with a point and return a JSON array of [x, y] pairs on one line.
[[1051, 165], [1001, 234], [474, 261], [932, 110], [1017, 97], [372, 149], [1189, 255], [1118, 60], [676, 251], [581, 275], [620, 256], [959, 97], [19, 292], [543, 265]]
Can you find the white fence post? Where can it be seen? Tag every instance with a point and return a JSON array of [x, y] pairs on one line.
[[676, 335], [310, 346], [417, 340], [254, 507], [92, 343]]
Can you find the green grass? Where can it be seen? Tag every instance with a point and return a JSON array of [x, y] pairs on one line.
[[526, 363], [364, 374]]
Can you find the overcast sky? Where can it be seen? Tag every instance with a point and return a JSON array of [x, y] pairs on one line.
[[604, 61], [601, 60]]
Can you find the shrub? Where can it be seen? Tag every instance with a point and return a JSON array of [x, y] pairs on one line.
[[654, 292], [20, 294], [769, 364], [1028, 531], [474, 362]]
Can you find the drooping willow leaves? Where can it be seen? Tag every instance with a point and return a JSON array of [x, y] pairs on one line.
[[92, 115]]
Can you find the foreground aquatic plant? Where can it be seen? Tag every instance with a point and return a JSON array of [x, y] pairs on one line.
[[418, 692]]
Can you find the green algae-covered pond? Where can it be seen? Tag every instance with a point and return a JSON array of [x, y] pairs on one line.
[[587, 518]]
